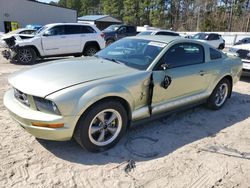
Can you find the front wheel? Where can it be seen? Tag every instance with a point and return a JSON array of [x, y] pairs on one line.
[[220, 94], [102, 126], [26, 55]]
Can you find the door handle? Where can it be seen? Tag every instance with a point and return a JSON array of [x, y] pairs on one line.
[[63, 37], [82, 35], [202, 72]]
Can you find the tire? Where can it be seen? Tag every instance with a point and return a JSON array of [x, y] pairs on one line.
[[78, 55], [93, 131], [221, 46], [219, 95], [90, 50], [26, 56], [109, 41]]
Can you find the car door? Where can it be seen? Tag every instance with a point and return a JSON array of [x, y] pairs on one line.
[[73, 38], [184, 78], [54, 41], [87, 33]]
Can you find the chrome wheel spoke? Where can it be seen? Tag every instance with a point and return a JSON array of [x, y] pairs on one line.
[[101, 136], [101, 117], [112, 130], [112, 118], [95, 129]]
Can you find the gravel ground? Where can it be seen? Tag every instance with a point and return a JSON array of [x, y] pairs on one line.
[[194, 148]]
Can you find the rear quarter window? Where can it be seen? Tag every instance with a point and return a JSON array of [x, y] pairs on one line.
[[214, 54]]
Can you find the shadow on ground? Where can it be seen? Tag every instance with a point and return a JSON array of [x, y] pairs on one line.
[[160, 137]]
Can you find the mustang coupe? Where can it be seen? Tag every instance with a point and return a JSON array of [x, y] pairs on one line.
[[95, 99]]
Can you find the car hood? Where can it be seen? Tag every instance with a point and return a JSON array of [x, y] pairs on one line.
[[44, 79]]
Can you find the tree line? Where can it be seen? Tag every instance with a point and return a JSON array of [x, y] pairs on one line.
[[179, 15]]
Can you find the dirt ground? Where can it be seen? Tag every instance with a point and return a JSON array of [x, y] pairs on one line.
[[195, 148]]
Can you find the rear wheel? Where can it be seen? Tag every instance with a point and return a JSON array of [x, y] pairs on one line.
[[220, 94], [109, 41], [221, 46], [90, 50], [26, 55], [102, 126]]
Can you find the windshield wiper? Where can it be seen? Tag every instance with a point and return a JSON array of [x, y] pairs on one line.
[[112, 59]]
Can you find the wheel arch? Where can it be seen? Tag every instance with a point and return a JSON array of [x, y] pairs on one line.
[[117, 93], [34, 48], [91, 43]]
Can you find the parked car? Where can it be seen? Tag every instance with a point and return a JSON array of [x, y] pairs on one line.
[[116, 32], [159, 32], [243, 51], [243, 41], [95, 99], [60, 39], [213, 39]]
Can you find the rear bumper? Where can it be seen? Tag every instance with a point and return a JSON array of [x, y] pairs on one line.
[[246, 69], [25, 116]]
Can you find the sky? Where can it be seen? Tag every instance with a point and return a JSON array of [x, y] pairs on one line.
[[47, 1]]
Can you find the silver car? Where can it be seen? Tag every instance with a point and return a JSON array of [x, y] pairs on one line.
[[95, 99]]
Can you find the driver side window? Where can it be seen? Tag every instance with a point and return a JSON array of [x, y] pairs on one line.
[[182, 54], [57, 30]]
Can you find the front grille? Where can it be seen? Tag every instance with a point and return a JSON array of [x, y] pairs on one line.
[[21, 97], [243, 54]]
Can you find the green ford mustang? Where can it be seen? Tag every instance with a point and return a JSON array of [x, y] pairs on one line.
[[95, 99]]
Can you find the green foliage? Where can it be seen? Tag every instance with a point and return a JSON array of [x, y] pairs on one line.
[[189, 15]]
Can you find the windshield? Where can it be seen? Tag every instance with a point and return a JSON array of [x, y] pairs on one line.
[[135, 53], [201, 36], [40, 30], [145, 33], [112, 28]]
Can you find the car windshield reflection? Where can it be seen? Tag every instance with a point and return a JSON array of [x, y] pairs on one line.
[[135, 53]]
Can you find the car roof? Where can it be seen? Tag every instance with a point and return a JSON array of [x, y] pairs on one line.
[[55, 24], [158, 38]]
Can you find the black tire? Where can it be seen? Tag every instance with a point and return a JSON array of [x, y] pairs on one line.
[[213, 102], [90, 50], [87, 139], [109, 41], [221, 46], [78, 55], [26, 56]]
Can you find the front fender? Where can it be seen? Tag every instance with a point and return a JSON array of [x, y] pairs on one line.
[[100, 92]]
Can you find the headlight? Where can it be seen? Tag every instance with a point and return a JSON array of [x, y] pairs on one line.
[[22, 97], [46, 106]]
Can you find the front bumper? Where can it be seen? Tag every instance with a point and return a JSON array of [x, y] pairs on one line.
[[9, 54], [25, 116]]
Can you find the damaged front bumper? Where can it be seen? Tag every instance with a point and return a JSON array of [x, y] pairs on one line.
[[9, 54]]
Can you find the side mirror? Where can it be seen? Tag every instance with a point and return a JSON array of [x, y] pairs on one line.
[[165, 66]]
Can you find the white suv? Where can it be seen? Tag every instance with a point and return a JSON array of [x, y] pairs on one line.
[[213, 39], [60, 39]]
